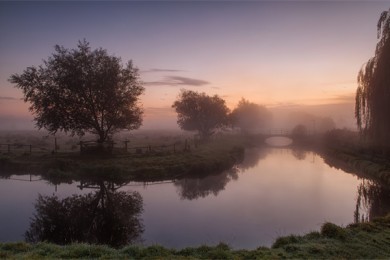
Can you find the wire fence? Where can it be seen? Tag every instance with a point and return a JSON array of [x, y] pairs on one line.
[[85, 147], [21, 148]]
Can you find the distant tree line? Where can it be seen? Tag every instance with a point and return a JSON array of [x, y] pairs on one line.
[[81, 90], [207, 114]]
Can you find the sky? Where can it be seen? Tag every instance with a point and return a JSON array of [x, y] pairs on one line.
[[281, 54]]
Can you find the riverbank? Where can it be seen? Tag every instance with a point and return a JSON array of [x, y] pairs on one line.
[[342, 243], [364, 166], [362, 240], [212, 157], [345, 150]]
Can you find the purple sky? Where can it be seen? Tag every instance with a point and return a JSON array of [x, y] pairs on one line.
[[273, 53]]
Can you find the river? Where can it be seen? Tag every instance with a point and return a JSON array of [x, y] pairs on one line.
[[273, 192]]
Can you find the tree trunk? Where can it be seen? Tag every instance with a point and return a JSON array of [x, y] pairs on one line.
[[102, 137]]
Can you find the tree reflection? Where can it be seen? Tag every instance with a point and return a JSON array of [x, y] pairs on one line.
[[194, 188], [299, 153], [252, 157], [374, 199], [106, 216]]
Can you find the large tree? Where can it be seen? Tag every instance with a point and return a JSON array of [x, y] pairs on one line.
[[82, 90], [249, 116], [200, 112], [373, 93]]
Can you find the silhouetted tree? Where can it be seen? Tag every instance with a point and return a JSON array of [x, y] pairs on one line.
[[315, 124], [373, 93], [83, 90], [325, 124], [249, 116], [103, 217], [200, 112], [299, 131]]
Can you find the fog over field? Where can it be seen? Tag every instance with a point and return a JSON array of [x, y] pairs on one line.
[[165, 118]]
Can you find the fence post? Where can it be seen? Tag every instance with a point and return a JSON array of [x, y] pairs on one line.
[[126, 145], [55, 144]]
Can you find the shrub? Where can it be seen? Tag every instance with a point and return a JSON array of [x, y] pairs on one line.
[[282, 241], [331, 230]]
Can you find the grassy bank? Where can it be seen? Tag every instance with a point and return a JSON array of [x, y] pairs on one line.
[[346, 150], [371, 167], [211, 157], [363, 240]]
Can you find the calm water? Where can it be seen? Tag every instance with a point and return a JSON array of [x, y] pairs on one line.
[[274, 192]]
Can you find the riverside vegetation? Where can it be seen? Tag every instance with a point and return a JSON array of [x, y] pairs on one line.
[[360, 240], [201, 159]]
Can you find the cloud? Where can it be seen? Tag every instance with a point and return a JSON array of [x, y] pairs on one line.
[[339, 83], [344, 98], [285, 105], [8, 98], [160, 70], [178, 81], [166, 110]]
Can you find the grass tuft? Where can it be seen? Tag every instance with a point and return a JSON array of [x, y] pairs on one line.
[[331, 230], [283, 241]]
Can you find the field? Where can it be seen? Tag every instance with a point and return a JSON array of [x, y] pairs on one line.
[[150, 156]]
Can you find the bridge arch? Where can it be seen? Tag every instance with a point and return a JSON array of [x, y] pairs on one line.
[[278, 137], [278, 140]]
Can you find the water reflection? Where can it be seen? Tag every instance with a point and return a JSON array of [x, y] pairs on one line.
[[374, 199], [274, 192], [299, 153], [252, 157], [106, 216], [194, 188]]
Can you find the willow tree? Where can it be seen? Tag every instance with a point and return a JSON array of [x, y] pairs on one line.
[[372, 107], [83, 90]]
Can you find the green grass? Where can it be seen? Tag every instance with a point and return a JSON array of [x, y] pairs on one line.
[[361, 240], [360, 164], [208, 158]]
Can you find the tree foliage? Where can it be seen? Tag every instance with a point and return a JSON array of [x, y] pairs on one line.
[[83, 90], [299, 131], [200, 112], [372, 106], [325, 124], [249, 116]]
